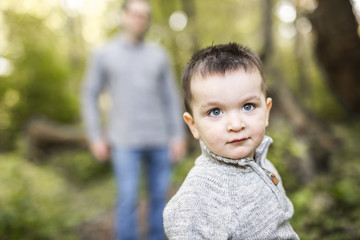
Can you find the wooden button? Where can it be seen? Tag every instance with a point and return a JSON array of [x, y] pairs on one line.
[[274, 179]]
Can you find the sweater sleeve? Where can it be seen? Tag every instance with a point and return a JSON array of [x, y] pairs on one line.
[[93, 84]]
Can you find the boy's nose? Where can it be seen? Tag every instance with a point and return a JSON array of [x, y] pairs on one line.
[[234, 123]]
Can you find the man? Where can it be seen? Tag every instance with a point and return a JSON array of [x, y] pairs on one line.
[[145, 122]]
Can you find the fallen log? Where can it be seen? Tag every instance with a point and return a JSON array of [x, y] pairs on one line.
[[43, 137]]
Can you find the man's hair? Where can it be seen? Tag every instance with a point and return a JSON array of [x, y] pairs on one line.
[[219, 59], [127, 2]]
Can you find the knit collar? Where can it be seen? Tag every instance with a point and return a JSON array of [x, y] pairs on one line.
[[260, 154]]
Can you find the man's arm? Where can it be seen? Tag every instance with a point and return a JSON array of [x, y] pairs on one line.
[[93, 84], [174, 112]]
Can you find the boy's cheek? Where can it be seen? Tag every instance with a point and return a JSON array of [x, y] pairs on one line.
[[194, 130], [196, 134]]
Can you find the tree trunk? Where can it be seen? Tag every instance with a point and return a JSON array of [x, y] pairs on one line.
[[307, 128], [338, 50], [190, 10]]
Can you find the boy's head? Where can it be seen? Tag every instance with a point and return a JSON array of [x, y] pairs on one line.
[[218, 60], [226, 101]]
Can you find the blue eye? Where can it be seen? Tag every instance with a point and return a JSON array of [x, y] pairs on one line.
[[248, 107], [215, 112]]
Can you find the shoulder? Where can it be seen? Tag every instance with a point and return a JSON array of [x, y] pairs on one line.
[[201, 191], [156, 49], [100, 51], [108, 46], [198, 205], [270, 166], [201, 186], [194, 185], [155, 46], [108, 52]]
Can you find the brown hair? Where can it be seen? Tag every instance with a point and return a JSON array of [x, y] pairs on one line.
[[218, 59], [127, 2]]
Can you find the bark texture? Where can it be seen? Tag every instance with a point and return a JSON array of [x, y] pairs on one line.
[[338, 50]]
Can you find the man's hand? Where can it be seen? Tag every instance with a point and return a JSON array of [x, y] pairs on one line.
[[177, 149], [100, 149]]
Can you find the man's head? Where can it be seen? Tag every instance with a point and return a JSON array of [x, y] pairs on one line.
[[225, 94], [136, 16]]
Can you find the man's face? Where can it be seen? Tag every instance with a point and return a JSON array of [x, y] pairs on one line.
[[230, 112], [136, 18]]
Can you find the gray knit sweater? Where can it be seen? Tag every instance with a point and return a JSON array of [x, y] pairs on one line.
[[145, 103], [230, 199]]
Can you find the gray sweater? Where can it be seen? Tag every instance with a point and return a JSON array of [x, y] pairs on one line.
[[230, 199], [145, 107]]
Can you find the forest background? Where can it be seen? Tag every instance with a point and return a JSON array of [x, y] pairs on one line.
[[51, 187]]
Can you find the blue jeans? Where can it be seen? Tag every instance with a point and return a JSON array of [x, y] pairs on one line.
[[127, 168]]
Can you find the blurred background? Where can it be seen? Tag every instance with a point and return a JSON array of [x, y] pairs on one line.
[[51, 187]]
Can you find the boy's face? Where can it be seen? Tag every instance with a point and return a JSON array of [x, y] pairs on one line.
[[230, 112]]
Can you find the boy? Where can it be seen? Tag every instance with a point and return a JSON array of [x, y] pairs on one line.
[[233, 191]]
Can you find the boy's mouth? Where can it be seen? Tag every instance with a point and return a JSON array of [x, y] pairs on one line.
[[238, 140]]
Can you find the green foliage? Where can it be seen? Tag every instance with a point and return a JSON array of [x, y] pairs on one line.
[[40, 202], [33, 201], [79, 167], [283, 151], [328, 207], [39, 84], [241, 23]]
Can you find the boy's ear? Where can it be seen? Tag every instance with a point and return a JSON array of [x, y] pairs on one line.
[[268, 108], [191, 123]]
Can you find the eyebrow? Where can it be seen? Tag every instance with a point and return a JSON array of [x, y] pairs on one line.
[[210, 104], [218, 103], [255, 97]]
